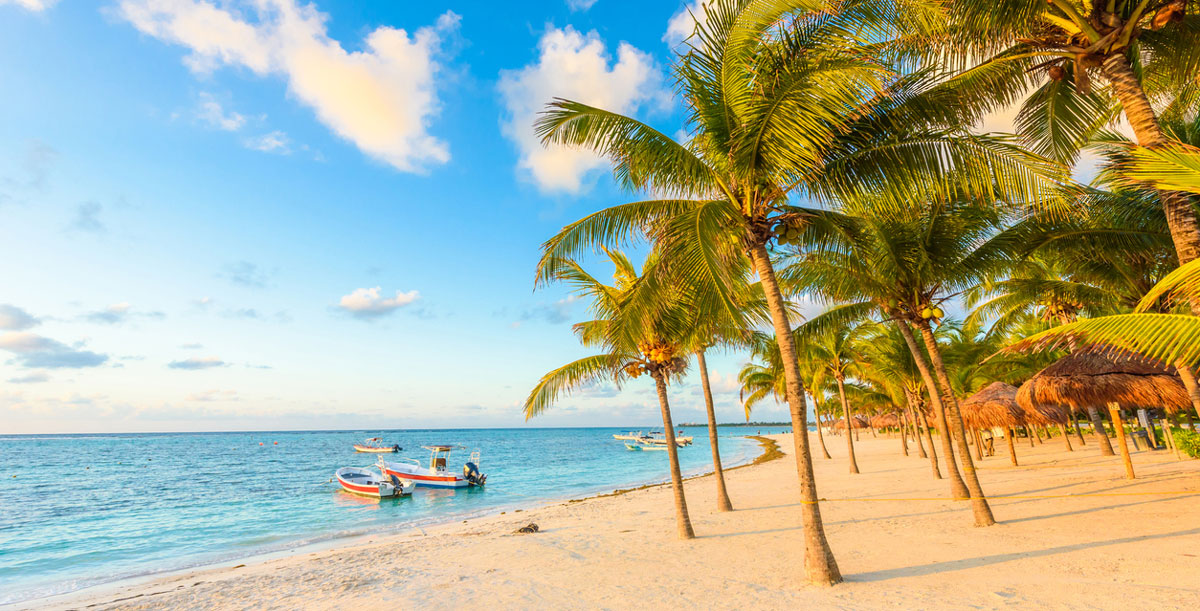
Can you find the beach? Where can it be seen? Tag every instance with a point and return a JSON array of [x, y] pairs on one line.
[[1072, 533]]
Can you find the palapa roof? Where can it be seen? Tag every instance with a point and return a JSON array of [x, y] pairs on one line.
[[889, 419], [1094, 379], [994, 405], [859, 423]]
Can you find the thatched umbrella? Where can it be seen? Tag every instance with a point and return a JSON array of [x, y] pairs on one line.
[[1085, 380], [886, 421], [859, 423], [995, 405]]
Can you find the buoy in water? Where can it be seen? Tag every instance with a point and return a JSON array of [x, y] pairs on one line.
[[260, 443], [276, 443]]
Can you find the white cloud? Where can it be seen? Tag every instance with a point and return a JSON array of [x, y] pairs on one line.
[[274, 142], [36, 377], [210, 111], [197, 362], [573, 66], [683, 23], [368, 303], [36, 6], [36, 351], [213, 395], [13, 318], [119, 313], [380, 98], [580, 5]]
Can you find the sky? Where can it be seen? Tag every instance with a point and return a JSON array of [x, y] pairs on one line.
[[274, 214]]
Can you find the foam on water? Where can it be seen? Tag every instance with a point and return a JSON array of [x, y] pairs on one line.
[[91, 509]]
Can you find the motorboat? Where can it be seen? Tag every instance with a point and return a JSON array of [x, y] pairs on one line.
[[661, 440], [365, 482], [374, 445], [629, 436], [436, 474]]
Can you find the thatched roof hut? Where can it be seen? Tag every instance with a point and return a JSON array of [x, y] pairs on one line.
[[885, 421], [994, 405], [859, 423], [1094, 379]]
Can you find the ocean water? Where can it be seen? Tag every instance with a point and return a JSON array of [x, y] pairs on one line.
[[83, 510]]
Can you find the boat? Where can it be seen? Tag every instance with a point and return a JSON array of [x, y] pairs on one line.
[[436, 475], [660, 439], [629, 436], [363, 481], [644, 445], [633, 447], [374, 445]]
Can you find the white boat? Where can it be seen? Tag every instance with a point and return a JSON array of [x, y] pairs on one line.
[[633, 447], [358, 480], [629, 436], [643, 445], [374, 445], [436, 475], [660, 439]]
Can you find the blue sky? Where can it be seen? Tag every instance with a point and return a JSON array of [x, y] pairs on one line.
[[271, 214]]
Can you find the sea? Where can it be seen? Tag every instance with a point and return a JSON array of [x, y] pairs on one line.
[[77, 511]]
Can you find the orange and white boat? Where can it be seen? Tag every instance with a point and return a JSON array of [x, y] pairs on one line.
[[374, 445], [437, 475], [366, 482]]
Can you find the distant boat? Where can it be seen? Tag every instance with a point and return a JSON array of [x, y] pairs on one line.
[[366, 482], [374, 445], [629, 436], [633, 447], [437, 475], [660, 439]]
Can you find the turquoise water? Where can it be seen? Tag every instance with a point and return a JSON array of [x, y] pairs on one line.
[[83, 510]]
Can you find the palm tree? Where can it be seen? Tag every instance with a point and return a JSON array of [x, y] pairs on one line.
[[1143, 49], [832, 351], [902, 264], [760, 381], [632, 346], [1164, 337], [785, 100], [886, 361]]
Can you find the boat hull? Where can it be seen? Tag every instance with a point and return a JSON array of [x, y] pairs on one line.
[[424, 477], [363, 483], [373, 450]]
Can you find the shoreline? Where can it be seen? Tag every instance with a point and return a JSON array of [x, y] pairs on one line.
[[334, 542], [1083, 526]]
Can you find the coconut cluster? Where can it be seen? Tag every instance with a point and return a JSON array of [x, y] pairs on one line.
[[787, 234], [926, 311], [658, 356], [1058, 308]]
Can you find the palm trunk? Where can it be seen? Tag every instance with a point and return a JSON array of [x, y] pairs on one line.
[[933, 462], [903, 432], [682, 520], [1012, 449], [957, 488], [983, 511], [820, 435], [849, 422], [916, 425], [820, 567], [1188, 376], [1181, 215], [723, 503], [1098, 430]]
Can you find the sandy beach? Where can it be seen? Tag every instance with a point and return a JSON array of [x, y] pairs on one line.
[[1073, 533]]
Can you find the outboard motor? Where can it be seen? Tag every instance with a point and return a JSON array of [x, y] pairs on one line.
[[472, 474]]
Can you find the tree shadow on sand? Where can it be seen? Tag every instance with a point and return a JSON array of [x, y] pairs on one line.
[[982, 561]]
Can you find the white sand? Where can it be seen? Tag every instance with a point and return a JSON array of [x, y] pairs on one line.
[[1135, 550]]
